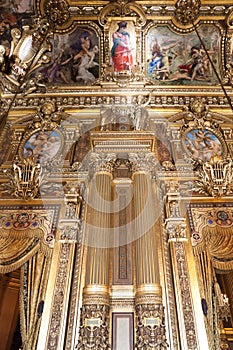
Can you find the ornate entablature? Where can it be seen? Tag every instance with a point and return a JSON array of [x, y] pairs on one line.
[[162, 46]]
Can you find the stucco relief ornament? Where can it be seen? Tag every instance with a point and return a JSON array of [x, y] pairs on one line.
[[187, 11], [48, 117]]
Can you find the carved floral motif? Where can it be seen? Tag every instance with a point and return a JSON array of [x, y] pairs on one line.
[[186, 299]]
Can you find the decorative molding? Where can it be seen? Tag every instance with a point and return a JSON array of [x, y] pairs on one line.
[[58, 298], [163, 97], [185, 295], [75, 301]]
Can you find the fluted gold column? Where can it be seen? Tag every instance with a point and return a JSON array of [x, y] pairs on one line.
[[97, 268], [147, 270], [150, 327], [94, 322]]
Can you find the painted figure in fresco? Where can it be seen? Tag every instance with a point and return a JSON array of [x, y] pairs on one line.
[[194, 67], [42, 145], [161, 59], [172, 57], [121, 51], [54, 73], [203, 144], [22, 6], [84, 59]]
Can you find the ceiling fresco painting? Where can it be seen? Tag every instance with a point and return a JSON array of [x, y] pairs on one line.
[[181, 59], [85, 53]]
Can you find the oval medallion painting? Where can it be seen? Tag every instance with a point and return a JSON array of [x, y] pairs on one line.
[[43, 145], [203, 144]]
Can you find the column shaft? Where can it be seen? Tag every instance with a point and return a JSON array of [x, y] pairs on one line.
[[97, 272], [147, 270]]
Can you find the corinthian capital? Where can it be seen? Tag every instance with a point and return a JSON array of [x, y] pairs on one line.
[[100, 162], [143, 162]]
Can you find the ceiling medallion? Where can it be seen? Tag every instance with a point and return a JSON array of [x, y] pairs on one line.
[[57, 11], [187, 11]]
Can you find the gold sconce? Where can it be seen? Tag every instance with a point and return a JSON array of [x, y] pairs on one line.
[[27, 53]]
